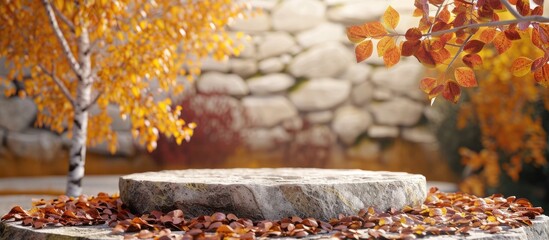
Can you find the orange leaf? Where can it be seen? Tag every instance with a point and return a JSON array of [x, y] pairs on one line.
[[410, 47], [538, 63], [375, 29], [441, 55], [512, 34], [436, 91], [364, 50], [413, 34], [521, 66], [427, 84], [473, 46], [487, 35], [502, 43], [390, 18], [391, 56], [384, 44], [424, 56], [472, 60], [523, 7], [356, 34], [465, 77], [444, 15], [451, 92]]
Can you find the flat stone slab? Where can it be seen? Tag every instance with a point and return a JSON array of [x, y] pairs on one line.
[[271, 193], [13, 230]]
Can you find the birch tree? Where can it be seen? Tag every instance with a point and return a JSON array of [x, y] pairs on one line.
[[84, 53]]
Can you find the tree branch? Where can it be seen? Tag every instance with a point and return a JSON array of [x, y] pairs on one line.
[[511, 9], [458, 52], [73, 63], [63, 18], [59, 83], [93, 101], [536, 18]]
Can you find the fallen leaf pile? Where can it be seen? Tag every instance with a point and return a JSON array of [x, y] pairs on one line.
[[440, 214]]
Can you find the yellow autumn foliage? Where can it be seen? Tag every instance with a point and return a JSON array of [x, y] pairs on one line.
[[138, 49], [503, 108]]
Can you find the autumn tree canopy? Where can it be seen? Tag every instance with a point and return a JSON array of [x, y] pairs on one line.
[[128, 53], [452, 34]]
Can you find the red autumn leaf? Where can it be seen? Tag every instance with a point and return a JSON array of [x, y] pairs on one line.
[[391, 56], [384, 44], [424, 56], [512, 34], [472, 60], [441, 55], [541, 76], [465, 77], [390, 18], [495, 4], [444, 15], [537, 11], [536, 38], [539, 2], [413, 34], [427, 84], [538, 63], [436, 91], [521, 66], [487, 35], [364, 50], [485, 12], [523, 7], [356, 34], [460, 19], [501, 42], [473, 46], [440, 26], [451, 92], [410, 47], [375, 29]]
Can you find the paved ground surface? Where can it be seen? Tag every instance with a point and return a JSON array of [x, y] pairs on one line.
[[92, 185]]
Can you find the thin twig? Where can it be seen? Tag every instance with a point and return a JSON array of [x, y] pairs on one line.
[[458, 52], [511, 9], [73, 63], [436, 15], [59, 83], [63, 18]]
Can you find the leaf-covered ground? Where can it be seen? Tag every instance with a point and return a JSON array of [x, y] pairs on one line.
[[440, 214]]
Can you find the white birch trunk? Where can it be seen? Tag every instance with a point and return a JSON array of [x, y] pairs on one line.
[[77, 158]]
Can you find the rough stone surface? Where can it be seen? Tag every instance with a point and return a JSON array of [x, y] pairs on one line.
[[269, 84], [357, 12], [379, 131], [268, 111], [324, 60], [326, 32], [271, 65], [403, 78], [41, 145], [398, 111], [350, 122], [263, 139], [320, 94], [257, 23], [210, 64], [293, 16], [357, 73], [243, 67], [231, 84], [16, 114], [319, 117], [275, 44], [271, 193], [362, 93]]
